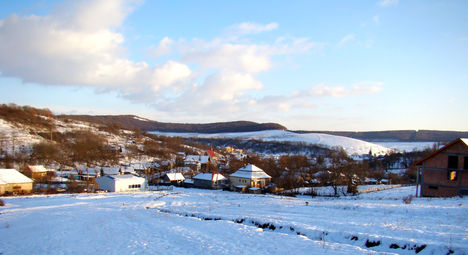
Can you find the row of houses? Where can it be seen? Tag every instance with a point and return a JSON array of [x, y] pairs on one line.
[[443, 173], [246, 179]]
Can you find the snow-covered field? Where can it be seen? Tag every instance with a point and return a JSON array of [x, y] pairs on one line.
[[194, 221], [407, 146], [350, 145]]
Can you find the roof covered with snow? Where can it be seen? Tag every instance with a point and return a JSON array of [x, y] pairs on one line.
[[250, 172], [37, 168], [175, 176], [12, 176], [124, 177], [210, 177], [195, 159]]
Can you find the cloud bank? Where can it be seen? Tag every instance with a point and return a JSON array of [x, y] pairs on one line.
[[79, 44]]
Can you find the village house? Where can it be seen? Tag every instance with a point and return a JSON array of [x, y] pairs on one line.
[[444, 173], [37, 172], [209, 181], [121, 183], [14, 182], [249, 177], [173, 178], [199, 162]]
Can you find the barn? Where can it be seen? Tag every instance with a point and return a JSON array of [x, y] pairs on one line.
[[444, 173]]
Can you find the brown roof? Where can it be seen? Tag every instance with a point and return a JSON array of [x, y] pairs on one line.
[[462, 140]]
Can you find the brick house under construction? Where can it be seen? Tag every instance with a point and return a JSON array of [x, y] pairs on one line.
[[444, 173]]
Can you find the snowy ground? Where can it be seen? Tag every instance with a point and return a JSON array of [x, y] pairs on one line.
[[193, 221]]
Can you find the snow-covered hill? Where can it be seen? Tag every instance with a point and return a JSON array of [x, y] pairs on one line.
[[350, 145]]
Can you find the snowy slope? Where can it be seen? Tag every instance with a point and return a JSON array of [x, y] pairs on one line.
[[193, 221], [350, 145]]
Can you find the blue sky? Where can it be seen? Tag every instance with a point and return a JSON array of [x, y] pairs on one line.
[[309, 65]]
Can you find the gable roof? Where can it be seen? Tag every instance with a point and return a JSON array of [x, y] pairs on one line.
[[195, 159], [250, 172], [175, 177], [12, 176], [450, 144], [209, 177], [37, 168]]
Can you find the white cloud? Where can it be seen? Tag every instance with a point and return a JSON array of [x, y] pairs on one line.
[[252, 28], [228, 85], [385, 3], [164, 48], [358, 89], [77, 45], [347, 38], [170, 73], [249, 58]]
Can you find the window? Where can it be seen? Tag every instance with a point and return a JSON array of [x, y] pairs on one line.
[[465, 164], [452, 164]]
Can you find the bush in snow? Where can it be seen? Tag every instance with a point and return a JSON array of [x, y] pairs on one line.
[[408, 199], [2, 203]]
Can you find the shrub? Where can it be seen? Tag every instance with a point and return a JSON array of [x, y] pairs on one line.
[[2, 203], [407, 200]]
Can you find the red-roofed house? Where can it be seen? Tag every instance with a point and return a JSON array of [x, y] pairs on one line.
[[444, 173]]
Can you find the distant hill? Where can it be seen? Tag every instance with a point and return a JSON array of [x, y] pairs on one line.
[[399, 135], [132, 121]]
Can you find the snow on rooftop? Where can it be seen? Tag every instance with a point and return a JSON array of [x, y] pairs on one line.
[[250, 172], [209, 177], [13, 176], [465, 140], [196, 159], [37, 168], [124, 177], [175, 176]]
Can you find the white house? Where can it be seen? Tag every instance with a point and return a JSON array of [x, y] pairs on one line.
[[249, 176], [121, 183]]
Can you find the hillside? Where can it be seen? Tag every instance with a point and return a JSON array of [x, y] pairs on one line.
[[132, 122], [398, 135], [350, 145]]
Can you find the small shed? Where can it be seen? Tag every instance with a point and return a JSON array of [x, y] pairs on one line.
[[121, 183], [14, 182], [249, 176], [209, 181], [444, 173]]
